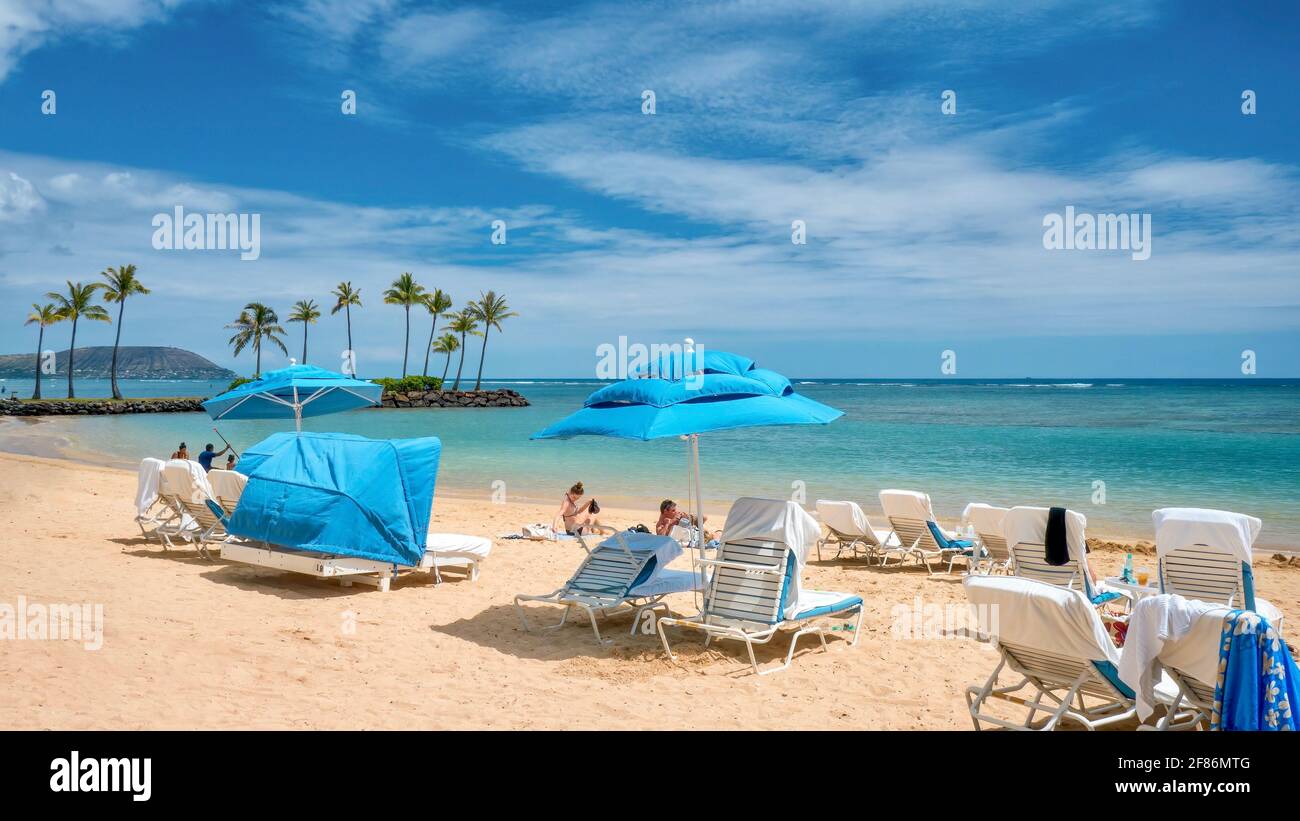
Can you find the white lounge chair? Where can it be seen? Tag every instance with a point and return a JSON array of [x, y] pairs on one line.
[[849, 529], [755, 588], [184, 486], [1208, 555], [987, 522], [154, 515], [911, 516], [1182, 638], [626, 570], [455, 550], [1025, 529], [1054, 639], [227, 487]]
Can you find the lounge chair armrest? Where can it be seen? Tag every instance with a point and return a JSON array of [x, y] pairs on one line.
[[751, 568]]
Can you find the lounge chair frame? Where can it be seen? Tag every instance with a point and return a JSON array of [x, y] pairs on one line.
[[599, 589], [916, 540], [752, 587]]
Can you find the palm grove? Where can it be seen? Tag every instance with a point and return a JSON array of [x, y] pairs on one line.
[[78, 303], [258, 324]]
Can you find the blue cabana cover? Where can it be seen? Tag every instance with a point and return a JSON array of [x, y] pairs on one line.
[[730, 393], [272, 396], [340, 494]]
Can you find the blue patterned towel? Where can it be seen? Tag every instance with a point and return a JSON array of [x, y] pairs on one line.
[[1258, 682]]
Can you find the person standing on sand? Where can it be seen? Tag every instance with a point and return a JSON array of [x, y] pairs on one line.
[[181, 452]]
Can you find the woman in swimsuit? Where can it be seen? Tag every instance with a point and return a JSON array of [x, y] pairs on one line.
[[577, 515]]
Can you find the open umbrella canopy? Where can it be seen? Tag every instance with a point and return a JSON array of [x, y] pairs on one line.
[[339, 494], [728, 392], [292, 393]]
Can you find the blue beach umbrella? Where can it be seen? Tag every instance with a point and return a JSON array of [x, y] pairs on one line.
[[340, 494], [295, 391], [723, 392]]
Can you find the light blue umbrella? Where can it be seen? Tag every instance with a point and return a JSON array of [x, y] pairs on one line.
[[723, 392], [297, 391]]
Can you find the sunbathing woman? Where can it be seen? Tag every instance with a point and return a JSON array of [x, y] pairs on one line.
[[579, 517]]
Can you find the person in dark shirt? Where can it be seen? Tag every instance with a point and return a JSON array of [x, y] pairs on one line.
[[208, 454]]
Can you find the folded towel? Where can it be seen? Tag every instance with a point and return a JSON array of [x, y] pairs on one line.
[[1056, 549]]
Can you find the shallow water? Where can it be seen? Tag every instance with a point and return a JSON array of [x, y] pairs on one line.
[[1233, 444]]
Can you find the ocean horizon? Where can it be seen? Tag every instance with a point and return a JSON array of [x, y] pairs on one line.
[[1114, 449]]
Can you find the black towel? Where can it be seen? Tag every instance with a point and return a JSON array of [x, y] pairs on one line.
[[1056, 551]]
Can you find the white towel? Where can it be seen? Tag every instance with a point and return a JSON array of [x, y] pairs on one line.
[[146, 490], [1155, 620]]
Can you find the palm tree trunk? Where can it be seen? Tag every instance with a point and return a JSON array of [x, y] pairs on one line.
[[257, 346], [445, 368], [406, 345], [461, 366], [304, 343], [40, 343], [430, 345], [347, 309], [71, 348], [482, 353], [112, 368]]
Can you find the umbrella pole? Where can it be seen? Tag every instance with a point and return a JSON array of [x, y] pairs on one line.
[[699, 512], [297, 411]]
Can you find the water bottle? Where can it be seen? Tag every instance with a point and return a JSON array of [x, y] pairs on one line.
[[1128, 568]]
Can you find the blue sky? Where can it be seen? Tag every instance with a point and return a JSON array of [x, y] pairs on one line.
[[924, 230]]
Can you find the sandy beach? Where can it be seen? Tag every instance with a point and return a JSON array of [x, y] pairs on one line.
[[190, 643]]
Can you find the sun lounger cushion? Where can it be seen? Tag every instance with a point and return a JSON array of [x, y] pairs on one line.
[[457, 543], [946, 543], [824, 602], [663, 582]]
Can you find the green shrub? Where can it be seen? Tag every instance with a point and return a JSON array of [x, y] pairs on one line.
[[409, 384], [239, 380]]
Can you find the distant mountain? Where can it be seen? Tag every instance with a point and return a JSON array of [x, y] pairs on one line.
[[140, 362]]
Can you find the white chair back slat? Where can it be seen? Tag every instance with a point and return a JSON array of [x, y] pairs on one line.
[[744, 589], [1031, 564], [913, 532], [1203, 573]]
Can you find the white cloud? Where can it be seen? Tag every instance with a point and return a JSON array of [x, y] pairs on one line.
[[18, 198], [25, 25]]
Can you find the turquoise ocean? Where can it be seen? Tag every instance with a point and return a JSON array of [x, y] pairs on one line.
[[1233, 444]]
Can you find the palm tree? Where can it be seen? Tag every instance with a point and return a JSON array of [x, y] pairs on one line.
[[45, 316], [447, 343], [491, 310], [463, 323], [256, 323], [307, 312], [78, 302], [346, 296], [405, 291], [437, 303], [119, 284]]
